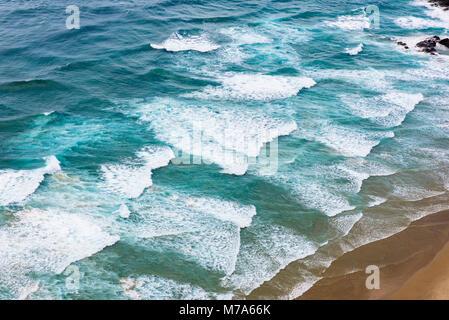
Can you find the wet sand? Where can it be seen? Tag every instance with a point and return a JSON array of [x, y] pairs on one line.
[[431, 282], [414, 264]]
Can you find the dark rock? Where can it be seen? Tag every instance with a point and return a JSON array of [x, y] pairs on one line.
[[426, 44], [441, 3], [429, 44], [445, 42]]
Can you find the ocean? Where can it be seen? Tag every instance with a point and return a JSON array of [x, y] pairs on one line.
[[212, 149]]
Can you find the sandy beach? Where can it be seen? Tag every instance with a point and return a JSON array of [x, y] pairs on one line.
[[431, 282], [414, 264]]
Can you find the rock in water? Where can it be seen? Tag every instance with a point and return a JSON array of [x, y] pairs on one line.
[[441, 3], [445, 42], [429, 44]]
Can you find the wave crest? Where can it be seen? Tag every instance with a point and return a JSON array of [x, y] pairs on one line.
[[130, 180], [177, 42], [255, 87], [16, 185]]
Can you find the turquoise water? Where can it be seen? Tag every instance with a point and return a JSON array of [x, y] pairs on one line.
[[202, 149]]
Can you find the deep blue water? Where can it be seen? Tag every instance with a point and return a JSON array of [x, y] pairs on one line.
[[301, 131]]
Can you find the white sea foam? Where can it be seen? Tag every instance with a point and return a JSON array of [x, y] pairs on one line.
[[354, 51], [414, 193], [436, 12], [255, 87], [326, 187], [269, 43], [229, 211], [154, 287], [351, 142], [365, 233], [345, 223], [414, 23], [351, 23], [177, 42], [242, 35], [232, 55], [130, 180], [316, 187], [26, 291], [43, 242], [401, 104], [388, 110], [226, 138], [274, 30], [322, 198], [213, 246], [434, 69], [182, 214], [123, 211], [440, 17], [17, 185], [376, 201], [205, 231], [368, 78], [428, 210], [309, 279], [272, 249], [357, 173]]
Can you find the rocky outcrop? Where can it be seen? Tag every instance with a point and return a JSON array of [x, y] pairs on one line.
[[441, 3], [403, 44], [428, 45], [445, 42]]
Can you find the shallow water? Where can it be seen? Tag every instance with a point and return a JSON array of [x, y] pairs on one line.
[[318, 134]]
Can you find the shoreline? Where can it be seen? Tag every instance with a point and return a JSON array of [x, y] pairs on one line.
[[413, 264]]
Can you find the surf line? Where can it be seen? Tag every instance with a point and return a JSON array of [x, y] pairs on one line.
[[207, 311]]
